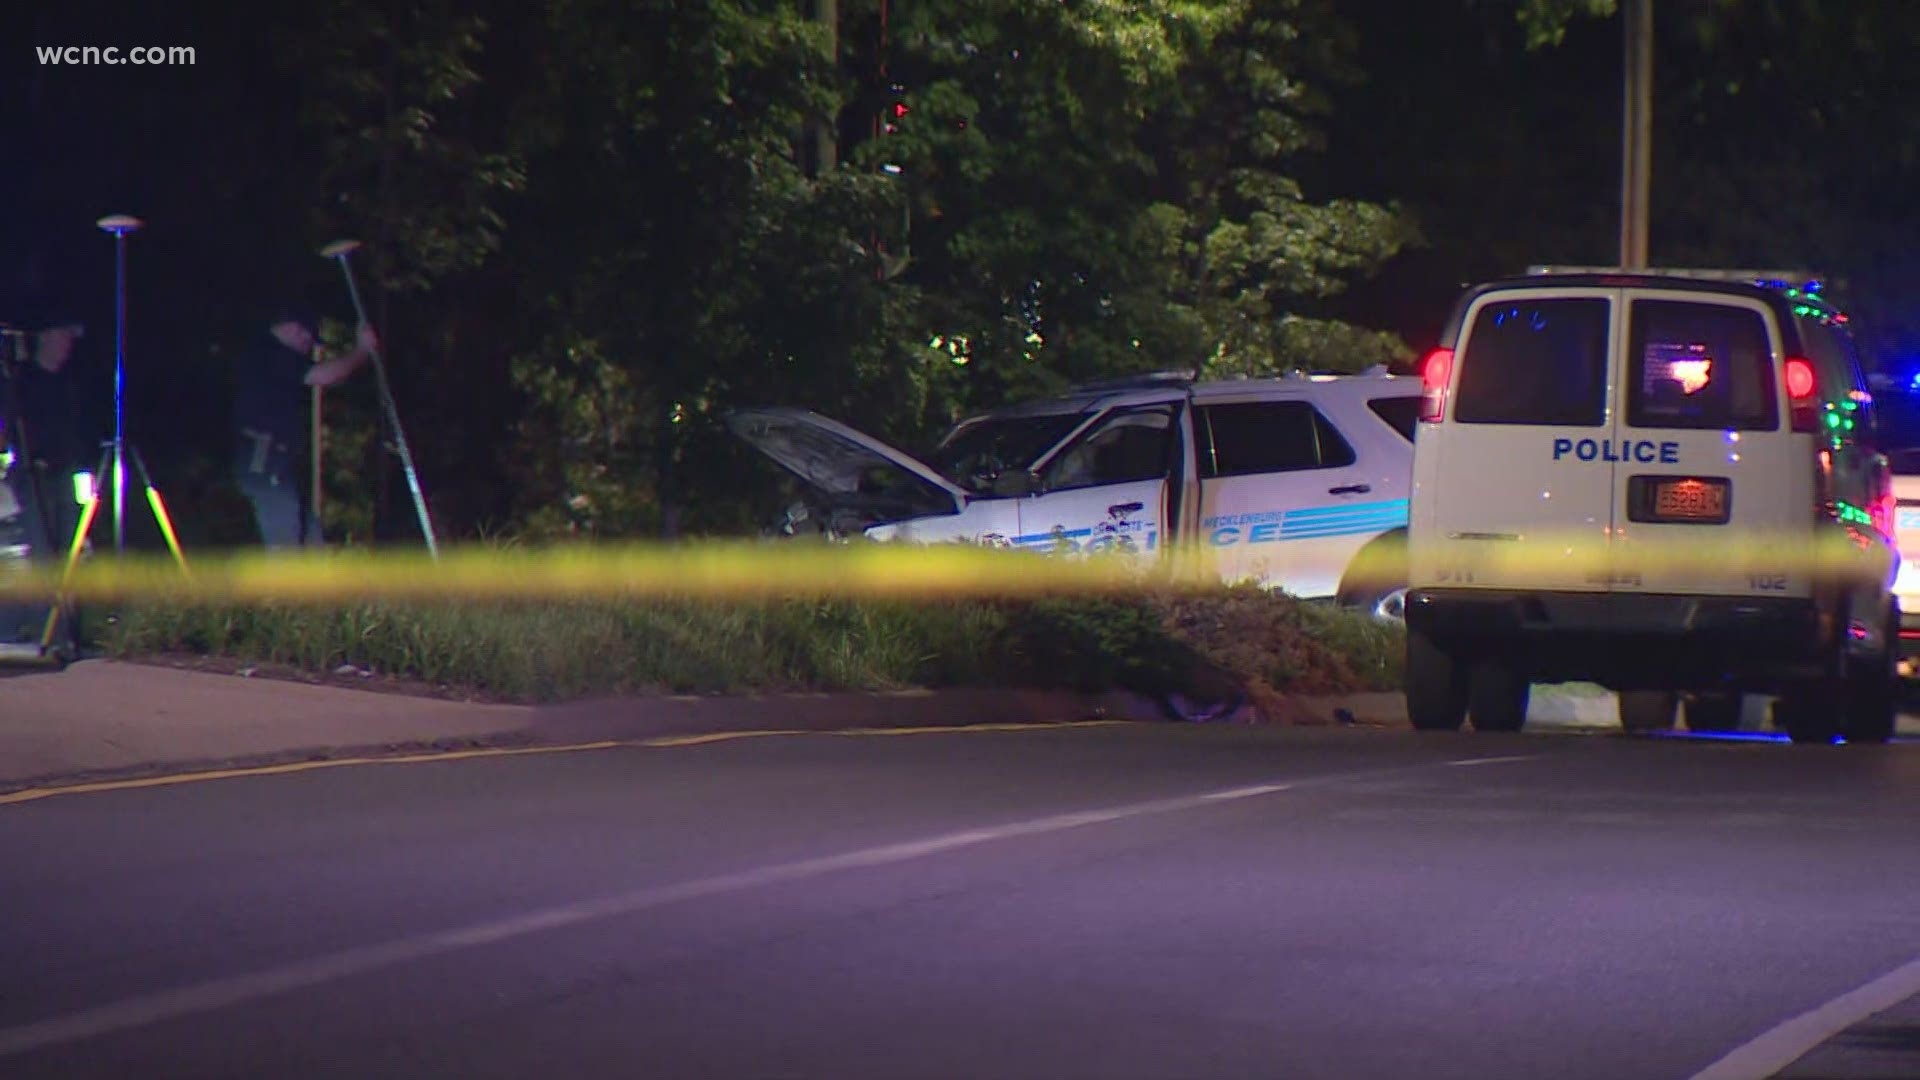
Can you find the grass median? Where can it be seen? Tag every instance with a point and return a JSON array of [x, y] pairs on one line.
[[1204, 645]]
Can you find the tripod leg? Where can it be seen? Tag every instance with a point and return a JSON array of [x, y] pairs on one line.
[[159, 508], [87, 518]]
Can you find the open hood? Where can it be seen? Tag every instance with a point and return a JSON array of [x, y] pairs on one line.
[[853, 469]]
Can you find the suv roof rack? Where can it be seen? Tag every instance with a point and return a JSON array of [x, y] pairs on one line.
[[1144, 381]]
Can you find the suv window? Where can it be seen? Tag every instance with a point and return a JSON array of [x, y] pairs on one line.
[[1695, 364], [1536, 362], [1403, 413], [976, 454], [1245, 438], [1129, 445]]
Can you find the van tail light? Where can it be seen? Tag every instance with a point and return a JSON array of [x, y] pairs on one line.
[[1435, 373], [1800, 396]]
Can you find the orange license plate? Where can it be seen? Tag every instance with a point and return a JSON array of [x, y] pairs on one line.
[[1690, 500]]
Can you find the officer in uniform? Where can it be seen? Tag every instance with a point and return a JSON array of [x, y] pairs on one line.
[[273, 379]]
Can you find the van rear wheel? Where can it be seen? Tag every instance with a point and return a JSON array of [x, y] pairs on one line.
[[1497, 696], [1873, 692], [1648, 710], [1810, 714], [1436, 685], [1714, 712]]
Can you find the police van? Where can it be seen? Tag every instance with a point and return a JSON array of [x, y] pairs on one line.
[[1299, 482], [1600, 455]]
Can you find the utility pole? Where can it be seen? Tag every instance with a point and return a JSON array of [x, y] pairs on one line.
[[825, 137], [1636, 158]]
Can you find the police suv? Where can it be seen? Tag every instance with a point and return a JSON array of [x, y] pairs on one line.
[[1299, 482], [1597, 451]]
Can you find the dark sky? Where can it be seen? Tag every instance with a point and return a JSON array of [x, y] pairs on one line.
[[1510, 157]]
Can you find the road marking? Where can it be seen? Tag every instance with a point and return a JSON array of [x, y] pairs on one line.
[[216, 994], [1787, 1043], [1247, 792], [1487, 760], [730, 736], [31, 794], [659, 742]]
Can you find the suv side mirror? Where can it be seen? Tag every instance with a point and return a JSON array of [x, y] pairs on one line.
[[1017, 483]]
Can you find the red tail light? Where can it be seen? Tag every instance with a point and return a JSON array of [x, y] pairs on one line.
[[1800, 389], [1882, 513], [1435, 373]]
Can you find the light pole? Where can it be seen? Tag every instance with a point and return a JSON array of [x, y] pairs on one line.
[[1636, 158]]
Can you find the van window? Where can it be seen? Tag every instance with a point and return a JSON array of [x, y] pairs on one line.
[[1402, 413], [1535, 362], [1129, 445], [1252, 437], [1699, 365]]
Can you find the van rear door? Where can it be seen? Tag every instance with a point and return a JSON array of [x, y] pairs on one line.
[[1517, 476], [1714, 464]]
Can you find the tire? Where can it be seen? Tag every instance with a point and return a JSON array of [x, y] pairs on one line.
[[1810, 714], [1497, 696], [1648, 710], [1436, 686], [1376, 583], [1872, 704], [1714, 712]]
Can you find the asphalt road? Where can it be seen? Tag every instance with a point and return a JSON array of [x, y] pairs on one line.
[[1111, 901]]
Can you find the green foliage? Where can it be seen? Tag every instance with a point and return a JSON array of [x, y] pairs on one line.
[[1212, 646], [614, 203], [1546, 21]]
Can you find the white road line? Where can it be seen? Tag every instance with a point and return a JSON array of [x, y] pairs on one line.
[[216, 994], [1489, 760], [1787, 1043], [1246, 792]]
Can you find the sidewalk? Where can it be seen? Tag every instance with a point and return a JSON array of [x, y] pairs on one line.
[[101, 716], [105, 719]]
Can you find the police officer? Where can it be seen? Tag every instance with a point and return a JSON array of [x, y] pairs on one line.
[[47, 441], [273, 379]]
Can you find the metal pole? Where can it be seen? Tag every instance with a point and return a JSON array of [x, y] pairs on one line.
[[119, 225], [1636, 164], [339, 250], [317, 471]]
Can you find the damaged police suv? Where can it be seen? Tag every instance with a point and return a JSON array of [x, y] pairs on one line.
[[1600, 455]]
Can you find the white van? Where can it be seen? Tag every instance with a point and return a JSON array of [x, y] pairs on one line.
[[1286, 481], [1593, 451]]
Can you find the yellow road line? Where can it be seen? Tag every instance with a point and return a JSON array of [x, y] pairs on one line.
[[661, 742], [729, 736]]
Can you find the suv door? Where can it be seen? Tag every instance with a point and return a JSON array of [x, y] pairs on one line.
[[1514, 490], [1284, 497], [1107, 489], [1714, 462]]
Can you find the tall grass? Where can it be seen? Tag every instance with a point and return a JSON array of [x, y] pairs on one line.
[[1153, 644]]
